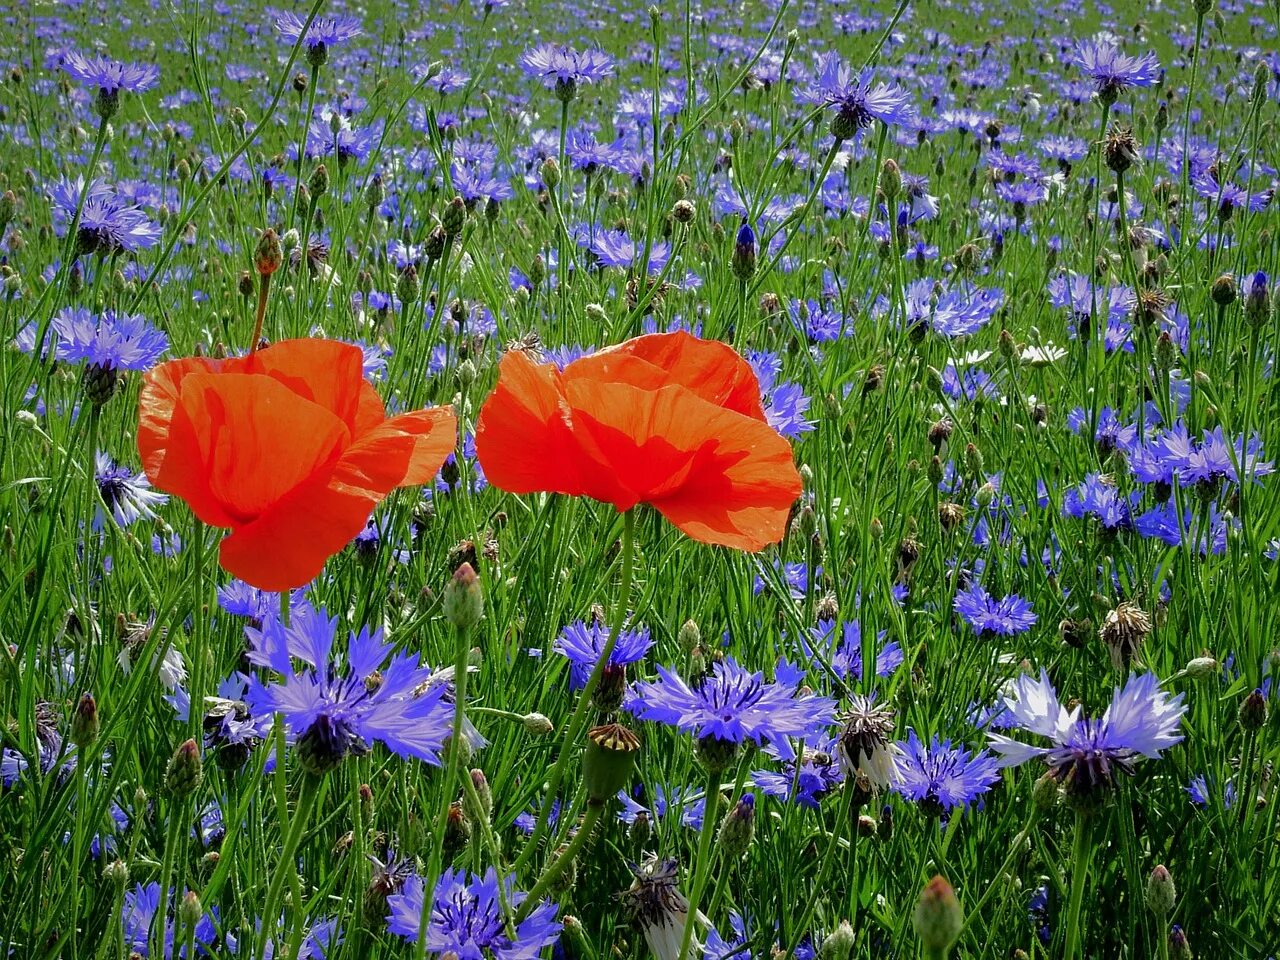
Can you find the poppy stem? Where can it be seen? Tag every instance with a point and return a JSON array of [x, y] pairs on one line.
[[584, 701], [264, 292]]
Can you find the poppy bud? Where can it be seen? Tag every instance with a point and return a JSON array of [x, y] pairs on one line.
[[117, 872], [608, 760], [484, 796], [84, 724], [890, 180], [1201, 668], [185, 771], [463, 599], [537, 724], [1161, 895], [744, 253], [839, 943], [190, 910], [938, 917], [269, 255], [550, 173], [738, 828], [689, 636]]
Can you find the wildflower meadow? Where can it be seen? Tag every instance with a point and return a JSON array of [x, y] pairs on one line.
[[598, 481]]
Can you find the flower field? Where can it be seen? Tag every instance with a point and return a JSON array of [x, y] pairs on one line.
[[493, 481]]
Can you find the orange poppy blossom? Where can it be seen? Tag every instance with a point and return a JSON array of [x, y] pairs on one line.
[[289, 447], [666, 419]]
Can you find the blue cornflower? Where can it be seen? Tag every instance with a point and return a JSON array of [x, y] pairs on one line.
[[108, 223], [332, 134], [1113, 70], [466, 918], [987, 615], [138, 913], [126, 496], [110, 75], [111, 341], [581, 644], [613, 248], [739, 948], [527, 821], [844, 652], [1201, 791], [324, 32], [1085, 754], [818, 772], [730, 705], [1110, 432], [1097, 496], [689, 801], [337, 705], [562, 68], [785, 409], [857, 102], [794, 575], [941, 777], [951, 313]]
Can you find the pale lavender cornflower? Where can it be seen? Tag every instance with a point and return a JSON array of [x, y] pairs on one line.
[[339, 703], [563, 69], [108, 77], [857, 99], [1112, 70], [1085, 754], [323, 33]]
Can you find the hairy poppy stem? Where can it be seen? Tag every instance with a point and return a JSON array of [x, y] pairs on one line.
[[264, 292], [584, 700], [557, 867]]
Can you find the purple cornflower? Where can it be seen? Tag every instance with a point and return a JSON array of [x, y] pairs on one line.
[[689, 801], [126, 496], [336, 705], [941, 777], [613, 248], [1113, 71], [323, 33], [111, 341], [581, 644], [951, 313], [857, 102], [1085, 754], [987, 615], [332, 134], [1201, 791], [466, 918], [563, 69], [730, 705]]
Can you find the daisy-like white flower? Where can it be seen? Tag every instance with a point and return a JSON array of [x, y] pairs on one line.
[[1085, 754], [864, 747]]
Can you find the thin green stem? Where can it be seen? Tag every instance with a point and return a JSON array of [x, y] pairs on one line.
[[1081, 853]]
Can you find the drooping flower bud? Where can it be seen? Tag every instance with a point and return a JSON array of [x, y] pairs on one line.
[[1161, 895], [269, 254]]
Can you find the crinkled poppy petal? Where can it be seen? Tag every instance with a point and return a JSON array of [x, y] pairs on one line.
[[257, 439], [710, 369], [329, 373], [288, 545], [523, 438], [405, 451], [167, 441], [719, 476]]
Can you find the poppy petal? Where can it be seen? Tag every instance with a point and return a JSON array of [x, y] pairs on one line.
[[710, 369], [257, 439], [720, 476], [404, 451], [167, 443], [523, 438], [329, 373]]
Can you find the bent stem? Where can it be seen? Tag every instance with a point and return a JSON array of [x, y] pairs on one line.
[[584, 701], [553, 871], [1081, 852]]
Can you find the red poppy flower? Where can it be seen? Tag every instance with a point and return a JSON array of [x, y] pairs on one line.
[[290, 447], [668, 420]]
